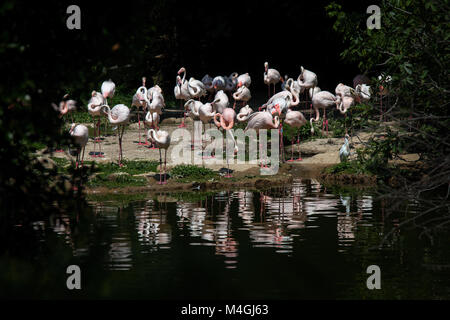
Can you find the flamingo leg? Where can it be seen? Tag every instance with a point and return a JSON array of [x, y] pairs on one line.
[[82, 158], [182, 125], [299, 152], [292, 150], [100, 155], [165, 172], [95, 136], [139, 128]]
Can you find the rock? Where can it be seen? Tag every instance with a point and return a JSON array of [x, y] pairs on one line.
[[117, 175]]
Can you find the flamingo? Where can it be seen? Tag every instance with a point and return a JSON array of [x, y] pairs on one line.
[[307, 79], [295, 119], [162, 139], [94, 108], [193, 107], [181, 95], [231, 82], [219, 83], [108, 89], [323, 99], [290, 93], [242, 94], [206, 113], [226, 122], [344, 91], [262, 120], [222, 101], [156, 99], [207, 82], [244, 80], [80, 134], [119, 115], [66, 106], [363, 92], [196, 88], [271, 76], [244, 113], [140, 100]]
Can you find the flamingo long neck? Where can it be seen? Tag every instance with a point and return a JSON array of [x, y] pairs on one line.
[[184, 76], [217, 122], [111, 118]]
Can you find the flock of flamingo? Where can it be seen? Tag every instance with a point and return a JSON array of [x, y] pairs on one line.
[[218, 92]]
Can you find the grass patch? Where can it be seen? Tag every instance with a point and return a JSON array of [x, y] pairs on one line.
[[348, 167], [191, 173]]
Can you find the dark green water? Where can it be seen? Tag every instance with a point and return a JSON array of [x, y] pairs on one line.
[[297, 242]]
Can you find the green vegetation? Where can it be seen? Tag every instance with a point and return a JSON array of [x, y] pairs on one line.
[[191, 173]]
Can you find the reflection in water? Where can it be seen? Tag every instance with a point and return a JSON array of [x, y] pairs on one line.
[[223, 238]]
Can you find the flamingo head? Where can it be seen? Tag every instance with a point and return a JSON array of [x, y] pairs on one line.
[[266, 66], [182, 69], [276, 109]]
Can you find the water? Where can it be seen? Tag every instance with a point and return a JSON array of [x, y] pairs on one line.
[[298, 242]]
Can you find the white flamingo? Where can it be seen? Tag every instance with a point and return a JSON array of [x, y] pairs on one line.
[[119, 115], [80, 134], [181, 95], [192, 107], [307, 79], [262, 120], [244, 113], [108, 89], [162, 139], [295, 119], [140, 100], [206, 114], [363, 92], [94, 108], [244, 80], [271, 76], [221, 101], [196, 88], [242, 94]]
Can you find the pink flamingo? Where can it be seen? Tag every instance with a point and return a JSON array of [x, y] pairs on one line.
[[226, 122], [295, 119]]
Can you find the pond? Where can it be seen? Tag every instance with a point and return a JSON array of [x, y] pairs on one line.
[[301, 241]]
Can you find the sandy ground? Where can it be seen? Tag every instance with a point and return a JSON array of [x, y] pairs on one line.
[[316, 154]]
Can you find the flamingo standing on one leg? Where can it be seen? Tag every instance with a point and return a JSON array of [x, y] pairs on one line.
[[307, 79], [140, 101], [108, 89], [193, 107], [80, 134], [206, 114], [323, 99], [271, 76], [262, 120], [94, 108], [119, 115], [181, 94], [162, 139], [225, 120], [295, 119]]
